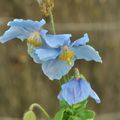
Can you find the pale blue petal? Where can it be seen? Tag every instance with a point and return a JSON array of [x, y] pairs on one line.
[[56, 68], [28, 25], [94, 96], [43, 32], [55, 41], [45, 37], [46, 54], [60, 96], [31, 52], [84, 90], [35, 57], [75, 91], [86, 52], [81, 41], [14, 32]]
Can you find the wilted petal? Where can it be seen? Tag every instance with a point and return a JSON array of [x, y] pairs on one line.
[[81, 41], [14, 32], [56, 68], [87, 52], [46, 54]]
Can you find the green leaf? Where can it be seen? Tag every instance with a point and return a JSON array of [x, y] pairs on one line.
[[81, 105], [30, 115], [63, 104], [69, 110], [60, 114], [74, 118], [89, 114], [64, 114], [86, 114]]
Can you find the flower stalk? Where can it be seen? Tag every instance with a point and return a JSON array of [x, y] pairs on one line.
[[46, 7], [52, 22], [41, 108]]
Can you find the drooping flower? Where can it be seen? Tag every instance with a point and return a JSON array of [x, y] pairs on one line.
[[77, 90], [25, 30], [60, 56]]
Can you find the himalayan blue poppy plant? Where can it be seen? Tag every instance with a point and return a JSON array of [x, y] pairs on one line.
[[77, 90], [25, 30], [59, 57]]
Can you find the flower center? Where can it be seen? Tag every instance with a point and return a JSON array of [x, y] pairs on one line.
[[66, 55], [34, 39]]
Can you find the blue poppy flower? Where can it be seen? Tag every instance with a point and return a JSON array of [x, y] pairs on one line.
[[77, 90], [25, 29], [59, 57], [22, 29]]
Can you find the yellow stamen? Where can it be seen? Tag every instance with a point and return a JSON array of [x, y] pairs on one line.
[[67, 55], [35, 39], [69, 62]]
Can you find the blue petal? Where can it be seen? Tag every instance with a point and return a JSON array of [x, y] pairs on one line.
[[57, 40], [14, 32], [95, 96], [87, 52], [34, 55], [43, 32], [56, 68], [29, 25], [81, 41], [75, 91], [46, 54]]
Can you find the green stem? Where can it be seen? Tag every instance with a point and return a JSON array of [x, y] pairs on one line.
[[65, 79], [60, 84], [52, 22], [41, 108]]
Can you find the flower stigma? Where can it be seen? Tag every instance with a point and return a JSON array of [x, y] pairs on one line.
[[34, 39], [66, 55]]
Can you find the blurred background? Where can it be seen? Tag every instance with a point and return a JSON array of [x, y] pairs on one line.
[[22, 82]]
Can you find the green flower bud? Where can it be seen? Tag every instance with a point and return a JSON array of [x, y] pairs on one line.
[[30, 115]]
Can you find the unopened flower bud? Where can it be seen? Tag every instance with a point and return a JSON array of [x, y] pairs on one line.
[[30, 115]]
